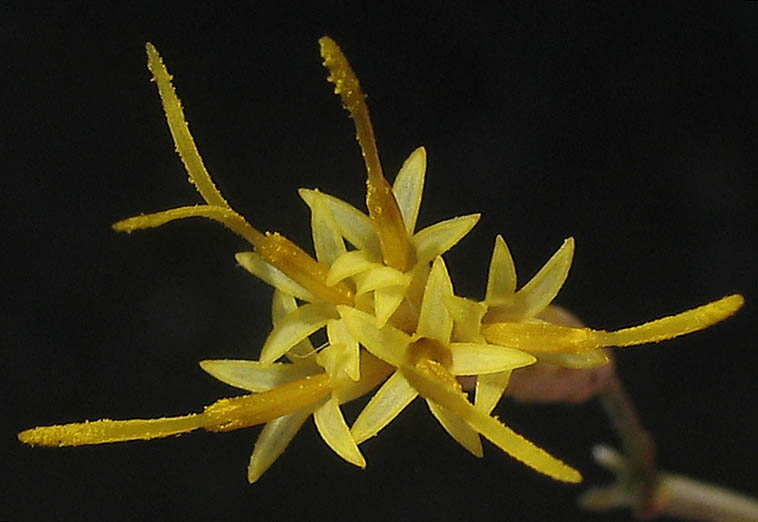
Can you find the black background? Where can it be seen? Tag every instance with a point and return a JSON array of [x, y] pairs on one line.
[[632, 129]]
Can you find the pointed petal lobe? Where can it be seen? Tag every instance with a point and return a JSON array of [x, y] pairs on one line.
[[467, 318], [380, 277], [501, 282], [253, 263], [302, 353], [409, 187], [337, 333], [333, 429], [477, 359], [386, 404], [294, 328], [489, 390], [457, 428], [252, 375], [356, 226], [349, 264], [434, 319], [327, 238], [386, 343], [386, 301], [273, 440], [545, 285], [437, 239]]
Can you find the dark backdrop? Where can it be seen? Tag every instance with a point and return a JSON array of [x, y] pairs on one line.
[[632, 129]]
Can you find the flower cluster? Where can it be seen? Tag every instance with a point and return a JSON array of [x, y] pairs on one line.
[[382, 293]]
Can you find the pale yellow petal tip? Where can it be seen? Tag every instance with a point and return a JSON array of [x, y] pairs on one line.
[[253, 475], [208, 365]]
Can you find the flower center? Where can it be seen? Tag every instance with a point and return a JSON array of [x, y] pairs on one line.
[[431, 350]]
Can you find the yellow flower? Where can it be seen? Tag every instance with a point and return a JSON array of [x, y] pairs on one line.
[[258, 377], [419, 337], [427, 363]]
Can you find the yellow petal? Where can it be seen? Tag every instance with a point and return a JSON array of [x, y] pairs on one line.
[[386, 404], [434, 320], [333, 429], [302, 353], [294, 328], [489, 390], [501, 281], [337, 333], [386, 302], [356, 226], [457, 428], [496, 432], [545, 285], [349, 264], [379, 277], [409, 187], [330, 359], [273, 440], [373, 373], [252, 375], [327, 238], [282, 304], [387, 343], [540, 291], [437, 239], [476, 358], [253, 263], [467, 318]]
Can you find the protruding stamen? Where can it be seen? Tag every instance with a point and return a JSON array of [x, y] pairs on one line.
[[380, 200], [185, 144], [224, 215], [551, 338], [106, 430], [222, 415], [680, 324]]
